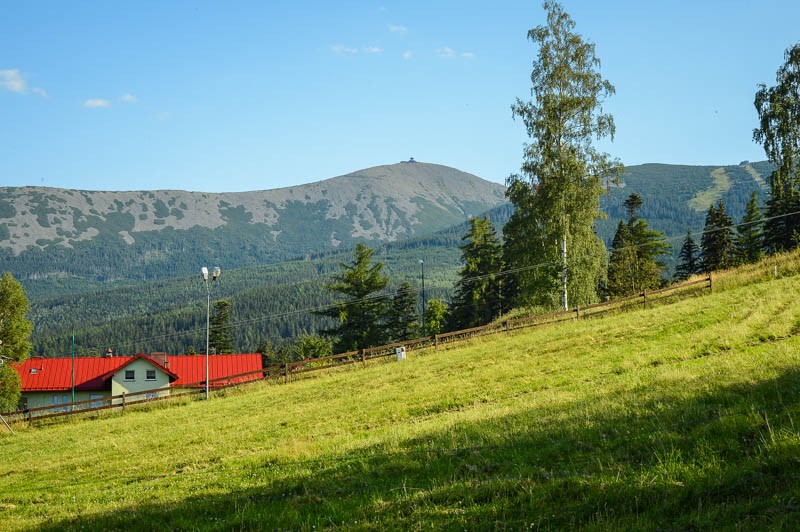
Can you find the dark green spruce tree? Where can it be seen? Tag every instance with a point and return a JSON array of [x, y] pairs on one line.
[[550, 238], [689, 258], [360, 316], [716, 244], [402, 320], [478, 297], [779, 132], [635, 264], [219, 332], [749, 243]]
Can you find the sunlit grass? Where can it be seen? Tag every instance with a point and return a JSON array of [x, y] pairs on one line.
[[679, 416]]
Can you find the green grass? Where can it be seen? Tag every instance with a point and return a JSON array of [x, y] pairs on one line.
[[677, 417]]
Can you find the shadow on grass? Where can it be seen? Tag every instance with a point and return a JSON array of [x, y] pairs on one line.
[[723, 460]]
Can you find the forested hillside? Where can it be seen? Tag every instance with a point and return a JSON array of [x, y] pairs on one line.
[[676, 197], [271, 301]]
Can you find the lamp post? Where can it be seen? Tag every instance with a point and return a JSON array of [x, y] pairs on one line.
[[214, 277], [422, 265]]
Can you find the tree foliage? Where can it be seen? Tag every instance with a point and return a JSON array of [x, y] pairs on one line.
[[636, 252], [557, 194], [689, 257], [717, 242], [15, 331], [9, 388], [360, 316], [402, 320], [478, 293], [435, 317], [15, 328], [312, 346], [779, 132], [749, 244], [219, 333]]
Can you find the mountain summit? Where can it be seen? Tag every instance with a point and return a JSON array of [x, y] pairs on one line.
[[139, 228]]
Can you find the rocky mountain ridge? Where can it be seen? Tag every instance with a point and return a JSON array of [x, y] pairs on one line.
[[384, 203]]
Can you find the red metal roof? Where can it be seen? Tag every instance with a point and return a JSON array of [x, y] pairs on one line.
[[50, 374], [93, 373], [192, 368]]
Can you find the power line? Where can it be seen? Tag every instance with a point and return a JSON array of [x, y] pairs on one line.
[[376, 297]]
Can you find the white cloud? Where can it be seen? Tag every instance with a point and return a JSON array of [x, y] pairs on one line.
[[468, 55], [129, 98], [373, 50], [446, 52], [408, 54], [40, 91], [342, 49], [96, 103], [394, 28], [12, 80]]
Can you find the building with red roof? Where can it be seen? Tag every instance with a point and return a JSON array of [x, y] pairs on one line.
[[55, 381]]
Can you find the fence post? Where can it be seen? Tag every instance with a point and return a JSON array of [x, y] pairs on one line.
[[505, 326], [435, 342], [710, 283], [577, 312], [286, 372], [123, 402], [363, 357], [644, 298]]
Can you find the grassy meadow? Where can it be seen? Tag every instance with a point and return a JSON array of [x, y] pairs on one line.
[[685, 416]]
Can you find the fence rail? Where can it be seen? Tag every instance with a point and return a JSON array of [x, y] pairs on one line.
[[300, 367]]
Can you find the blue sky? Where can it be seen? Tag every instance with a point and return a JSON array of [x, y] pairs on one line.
[[234, 96]]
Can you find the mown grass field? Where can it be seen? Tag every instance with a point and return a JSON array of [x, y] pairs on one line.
[[676, 417]]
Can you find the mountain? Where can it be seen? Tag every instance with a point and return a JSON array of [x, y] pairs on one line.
[[108, 236]]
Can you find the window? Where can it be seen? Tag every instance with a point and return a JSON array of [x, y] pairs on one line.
[[130, 375], [151, 375], [34, 371]]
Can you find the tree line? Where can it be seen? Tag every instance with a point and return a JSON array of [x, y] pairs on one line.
[[551, 255]]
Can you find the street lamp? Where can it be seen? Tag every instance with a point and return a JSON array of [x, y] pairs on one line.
[[422, 265], [214, 277]]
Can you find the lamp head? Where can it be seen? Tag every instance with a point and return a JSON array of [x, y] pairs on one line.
[[215, 274], [204, 273]]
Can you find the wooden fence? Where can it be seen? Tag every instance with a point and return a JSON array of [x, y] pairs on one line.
[[283, 372]]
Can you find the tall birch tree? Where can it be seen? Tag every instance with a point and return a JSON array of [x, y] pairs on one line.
[[550, 237]]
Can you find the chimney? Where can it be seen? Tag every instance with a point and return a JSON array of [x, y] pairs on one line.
[[160, 357], [110, 352]]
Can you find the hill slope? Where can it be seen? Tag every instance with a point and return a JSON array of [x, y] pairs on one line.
[[157, 234], [675, 417]]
